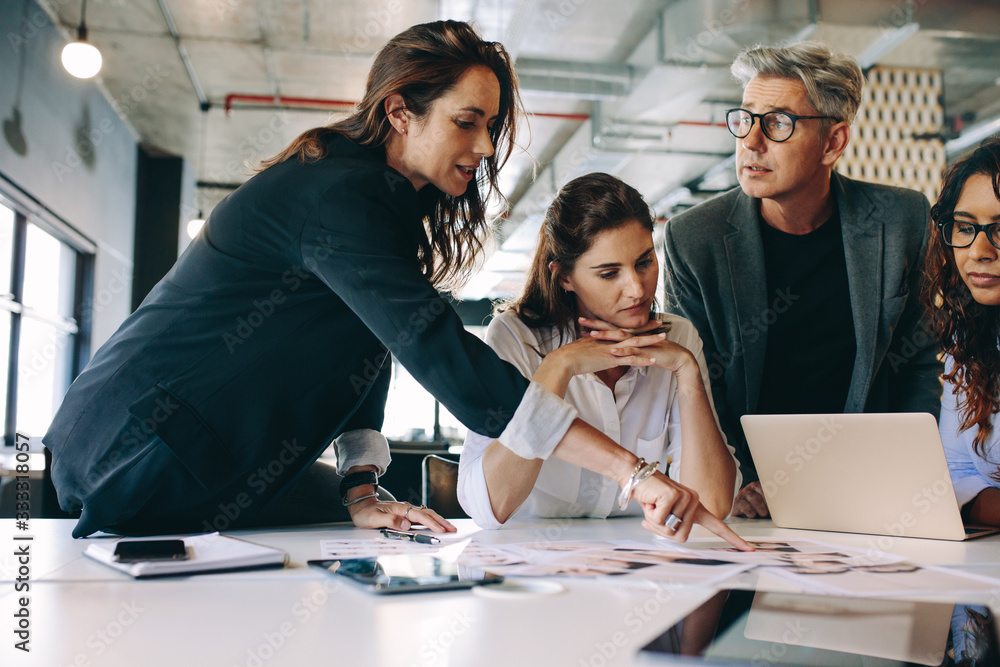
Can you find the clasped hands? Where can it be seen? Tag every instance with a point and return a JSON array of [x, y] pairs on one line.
[[603, 346]]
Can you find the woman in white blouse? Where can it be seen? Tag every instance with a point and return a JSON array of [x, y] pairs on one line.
[[583, 323], [963, 295]]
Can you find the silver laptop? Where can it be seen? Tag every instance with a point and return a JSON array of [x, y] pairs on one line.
[[882, 474]]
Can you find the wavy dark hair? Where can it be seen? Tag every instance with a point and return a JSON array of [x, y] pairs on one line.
[[966, 329], [584, 207], [421, 64]]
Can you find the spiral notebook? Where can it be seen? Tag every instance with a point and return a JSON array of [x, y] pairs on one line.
[[206, 553]]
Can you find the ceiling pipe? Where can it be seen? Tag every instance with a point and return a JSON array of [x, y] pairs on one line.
[[971, 137], [234, 100], [172, 27], [281, 101]]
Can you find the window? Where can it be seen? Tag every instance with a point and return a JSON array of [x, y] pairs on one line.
[[411, 413], [40, 336]]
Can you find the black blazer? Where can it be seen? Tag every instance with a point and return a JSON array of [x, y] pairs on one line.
[[266, 340]]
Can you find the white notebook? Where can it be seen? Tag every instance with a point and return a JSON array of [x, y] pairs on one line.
[[206, 553]]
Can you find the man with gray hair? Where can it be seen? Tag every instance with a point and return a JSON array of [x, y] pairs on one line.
[[803, 284]]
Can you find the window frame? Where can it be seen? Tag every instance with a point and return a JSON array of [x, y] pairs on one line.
[[28, 210]]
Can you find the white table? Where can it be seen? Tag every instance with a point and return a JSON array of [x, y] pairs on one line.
[[83, 613]]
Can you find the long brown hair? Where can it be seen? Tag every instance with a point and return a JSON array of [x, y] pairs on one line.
[[967, 330], [421, 64], [584, 207]]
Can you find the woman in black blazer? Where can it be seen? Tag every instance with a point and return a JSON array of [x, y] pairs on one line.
[[270, 337]]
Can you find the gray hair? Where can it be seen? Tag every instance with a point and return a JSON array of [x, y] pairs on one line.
[[833, 81]]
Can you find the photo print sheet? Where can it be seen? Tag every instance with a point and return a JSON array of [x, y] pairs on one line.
[[634, 560]]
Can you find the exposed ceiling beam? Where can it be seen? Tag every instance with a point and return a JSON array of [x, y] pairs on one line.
[[971, 136], [587, 81]]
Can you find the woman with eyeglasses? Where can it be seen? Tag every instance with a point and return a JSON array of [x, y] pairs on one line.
[[963, 295]]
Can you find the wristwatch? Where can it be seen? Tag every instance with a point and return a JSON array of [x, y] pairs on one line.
[[354, 479]]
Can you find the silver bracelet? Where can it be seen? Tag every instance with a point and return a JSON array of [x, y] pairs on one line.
[[645, 472], [640, 472], [626, 492], [348, 503]]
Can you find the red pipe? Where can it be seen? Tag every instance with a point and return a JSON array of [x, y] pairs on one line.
[[279, 100]]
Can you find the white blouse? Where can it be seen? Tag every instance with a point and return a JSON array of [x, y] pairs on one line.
[[641, 414], [970, 472]]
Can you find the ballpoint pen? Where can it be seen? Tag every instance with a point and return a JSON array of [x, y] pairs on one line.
[[391, 534]]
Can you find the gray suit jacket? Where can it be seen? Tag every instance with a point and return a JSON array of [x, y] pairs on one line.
[[716, 279]]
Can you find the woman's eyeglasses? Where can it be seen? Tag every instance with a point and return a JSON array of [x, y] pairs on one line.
[[962, 234]]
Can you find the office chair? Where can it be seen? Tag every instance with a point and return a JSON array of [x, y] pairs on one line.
[[440, 486]]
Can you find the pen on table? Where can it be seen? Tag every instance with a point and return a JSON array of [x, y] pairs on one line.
[[391, 534]]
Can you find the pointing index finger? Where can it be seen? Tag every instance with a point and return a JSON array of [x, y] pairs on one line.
[[719, 527]]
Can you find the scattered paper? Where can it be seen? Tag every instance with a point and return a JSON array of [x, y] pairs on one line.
[[807, 564]]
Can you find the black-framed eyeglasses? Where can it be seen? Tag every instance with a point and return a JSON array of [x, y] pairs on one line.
[[777, 125], [962, 234]]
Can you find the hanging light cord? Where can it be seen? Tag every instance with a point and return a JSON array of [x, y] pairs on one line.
[[201, 162], [81, 32]]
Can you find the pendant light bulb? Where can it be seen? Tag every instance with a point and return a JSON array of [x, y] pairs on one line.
[[81, 58]]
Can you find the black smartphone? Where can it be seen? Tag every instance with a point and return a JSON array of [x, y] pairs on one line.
[[142, 550]]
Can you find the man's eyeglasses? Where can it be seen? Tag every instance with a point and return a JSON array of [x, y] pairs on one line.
[[777, 125], [961, 234]]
